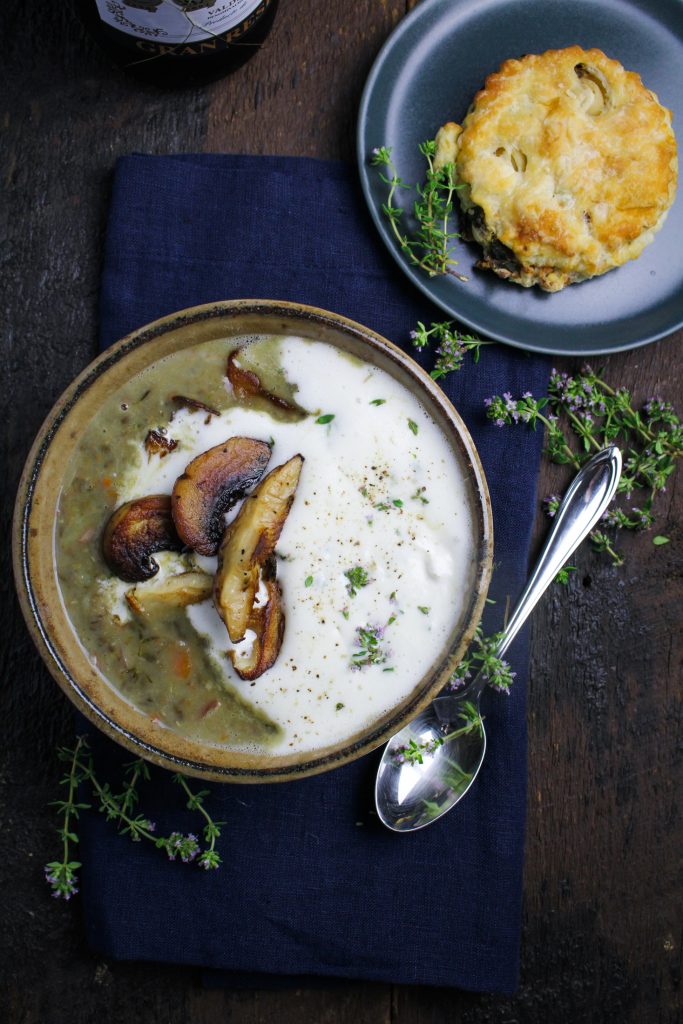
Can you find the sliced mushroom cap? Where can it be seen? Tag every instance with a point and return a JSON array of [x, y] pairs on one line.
[[175, 591], [247, 384], [248, 544], [211, 485], [268, 623], [135, 531]]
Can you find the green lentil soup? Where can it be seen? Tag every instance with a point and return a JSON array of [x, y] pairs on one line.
[[158, 662]]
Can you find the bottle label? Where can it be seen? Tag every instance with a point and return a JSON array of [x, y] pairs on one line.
[[175, 21]]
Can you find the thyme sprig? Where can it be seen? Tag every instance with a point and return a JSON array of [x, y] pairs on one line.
[[414, 752], [209, 858], [430, 246], [582, 414], [482, 657], [61, 874], [370, 648], [120, 808], [451, 345]]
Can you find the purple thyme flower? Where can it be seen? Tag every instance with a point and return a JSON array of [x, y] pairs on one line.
[[551, 504]]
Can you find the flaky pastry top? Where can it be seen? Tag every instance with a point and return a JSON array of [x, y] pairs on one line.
[[571, 159]]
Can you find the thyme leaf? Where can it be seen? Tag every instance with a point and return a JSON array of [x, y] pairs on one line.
[[358, 578]]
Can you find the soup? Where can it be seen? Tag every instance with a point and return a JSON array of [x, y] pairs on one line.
[[375, 560]]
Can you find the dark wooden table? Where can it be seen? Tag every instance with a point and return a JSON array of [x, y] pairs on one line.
[[602, 918]]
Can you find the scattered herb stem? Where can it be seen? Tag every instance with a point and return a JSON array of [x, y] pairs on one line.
[[136, 770], [415, 753], [586, 409], [584, 414], [61, 875], [430, 246], [451, 345], [210, 858], [482, 657], [465, 730]]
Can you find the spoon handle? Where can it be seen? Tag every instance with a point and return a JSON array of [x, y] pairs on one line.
[[588, 496]]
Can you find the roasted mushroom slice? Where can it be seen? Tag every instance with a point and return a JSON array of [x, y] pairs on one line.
[[158, 443], [247, 384], [211, 485], [194, 405], [176, 591], [249, 543], [268, 623], [135, 532]]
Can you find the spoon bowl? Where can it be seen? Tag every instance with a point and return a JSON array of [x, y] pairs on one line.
[[414, 790]]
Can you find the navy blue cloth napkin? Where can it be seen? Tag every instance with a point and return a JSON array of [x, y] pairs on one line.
[[311, 884]]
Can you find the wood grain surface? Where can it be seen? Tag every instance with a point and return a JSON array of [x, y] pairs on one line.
[[602, 920]]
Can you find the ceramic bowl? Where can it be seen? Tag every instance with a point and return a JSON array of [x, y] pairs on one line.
[[37, 504]]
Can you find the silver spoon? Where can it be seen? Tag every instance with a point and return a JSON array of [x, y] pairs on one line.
[[429, 765]]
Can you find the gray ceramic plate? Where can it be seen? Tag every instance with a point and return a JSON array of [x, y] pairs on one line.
[[428, 72]]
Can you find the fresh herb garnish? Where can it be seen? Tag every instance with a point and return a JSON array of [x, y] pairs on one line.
[[370, 651], [412, 425], [430, 245], [358, 578], [308, 582], [61, 874], [582, 414], [423, 608], [563, 574], [420, 496], [451, 345], [325, 418], [658, 541], [386, 506], [378, 401], [119, 808], [414, 753], [482, 658], [338, 706]]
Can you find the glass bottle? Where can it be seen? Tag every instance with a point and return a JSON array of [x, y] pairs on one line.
[[178, 42]]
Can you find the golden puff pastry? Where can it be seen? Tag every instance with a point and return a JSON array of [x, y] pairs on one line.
[[567, 165]]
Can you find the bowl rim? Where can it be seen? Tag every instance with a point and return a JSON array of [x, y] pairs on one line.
[[171, 751]]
